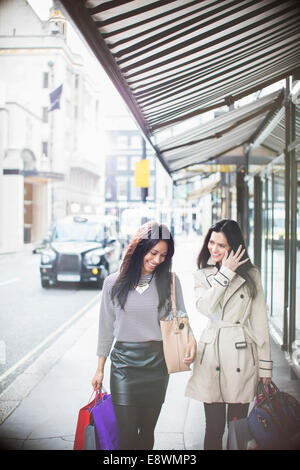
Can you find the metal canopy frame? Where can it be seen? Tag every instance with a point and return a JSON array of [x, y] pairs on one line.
[[226, 132], [172, 60]]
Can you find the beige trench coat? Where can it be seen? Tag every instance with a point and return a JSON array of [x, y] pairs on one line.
[[234, 350]]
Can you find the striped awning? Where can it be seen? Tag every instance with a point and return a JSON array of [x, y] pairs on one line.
[[228, 131], [276, 139], [172, 60]]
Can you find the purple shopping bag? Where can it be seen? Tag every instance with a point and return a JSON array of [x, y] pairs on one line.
[[106, 423]]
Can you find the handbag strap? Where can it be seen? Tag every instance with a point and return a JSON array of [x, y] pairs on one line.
[[173, 295]]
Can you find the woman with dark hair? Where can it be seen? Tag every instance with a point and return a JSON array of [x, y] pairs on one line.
[[234, 349], [133, 302]]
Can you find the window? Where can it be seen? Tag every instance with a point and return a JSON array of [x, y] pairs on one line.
[[151, 189], [122, 189], [45, 114], [151, 163], [45, 149], [135, 193], [136, 141], [68, 108], [29, 160], [45, 80], [122, 141], [133, 162], [122, 163]]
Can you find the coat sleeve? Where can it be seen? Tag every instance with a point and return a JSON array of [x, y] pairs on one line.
[[210, 290], [106, 322], [259, 324]]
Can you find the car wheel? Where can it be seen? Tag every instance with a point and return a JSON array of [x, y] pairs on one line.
[[45, 283]]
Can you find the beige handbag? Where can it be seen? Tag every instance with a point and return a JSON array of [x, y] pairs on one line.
[[175, 333]]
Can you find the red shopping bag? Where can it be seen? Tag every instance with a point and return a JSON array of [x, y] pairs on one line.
[[83, 421]]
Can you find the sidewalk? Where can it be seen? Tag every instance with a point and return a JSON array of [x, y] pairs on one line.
[[40, 408]]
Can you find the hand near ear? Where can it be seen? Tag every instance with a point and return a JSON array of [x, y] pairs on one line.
[[233, 260]]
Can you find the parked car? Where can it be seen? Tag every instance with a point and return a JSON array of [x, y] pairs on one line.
[[80, 249], [40, 246]]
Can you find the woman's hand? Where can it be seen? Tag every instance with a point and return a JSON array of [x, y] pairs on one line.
[[97, 380], [266, 380], [190, 350], [98, 377], [232, 261]]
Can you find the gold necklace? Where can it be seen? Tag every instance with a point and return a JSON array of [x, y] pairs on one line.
[[143, 285]]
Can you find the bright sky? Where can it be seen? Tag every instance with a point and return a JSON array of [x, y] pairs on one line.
[[41, 7]]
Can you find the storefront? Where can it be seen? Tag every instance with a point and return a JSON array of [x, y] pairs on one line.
[[274, 237]]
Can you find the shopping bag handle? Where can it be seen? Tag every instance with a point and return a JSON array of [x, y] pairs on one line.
[[90, 400], [96, 391], [100, 392], [93, 402]]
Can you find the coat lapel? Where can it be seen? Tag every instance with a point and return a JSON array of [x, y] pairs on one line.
[[234, 285]]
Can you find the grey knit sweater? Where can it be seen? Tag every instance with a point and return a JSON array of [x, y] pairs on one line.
[[138, 322]]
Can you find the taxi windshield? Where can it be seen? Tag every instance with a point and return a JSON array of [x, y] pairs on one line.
[[79, 231]]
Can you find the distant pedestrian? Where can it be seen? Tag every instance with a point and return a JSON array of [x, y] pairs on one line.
[[234, 349], [133, 301]]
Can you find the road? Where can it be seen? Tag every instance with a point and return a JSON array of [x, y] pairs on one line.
[[30, 316]]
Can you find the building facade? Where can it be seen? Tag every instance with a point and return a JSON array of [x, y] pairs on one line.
[[51, 161], [124, 146], [123, 199]]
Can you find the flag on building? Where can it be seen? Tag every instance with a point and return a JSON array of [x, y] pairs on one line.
[[55, 98]]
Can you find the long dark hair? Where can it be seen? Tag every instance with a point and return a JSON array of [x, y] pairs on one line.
[[231, 230], [147, 236]]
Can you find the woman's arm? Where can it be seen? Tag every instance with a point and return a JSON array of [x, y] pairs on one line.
[[210, 290], [106, 321], [259, 324], [191, 350], [99, 374], [105, 334]]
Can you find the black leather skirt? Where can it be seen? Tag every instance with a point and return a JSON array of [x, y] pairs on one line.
[[139, 373]]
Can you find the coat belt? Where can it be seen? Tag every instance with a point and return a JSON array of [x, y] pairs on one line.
[[246, 329]]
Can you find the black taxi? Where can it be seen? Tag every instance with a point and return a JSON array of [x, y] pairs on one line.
[[80, 249]]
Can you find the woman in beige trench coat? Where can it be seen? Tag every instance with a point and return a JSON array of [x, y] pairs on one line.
[[234, 349]]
